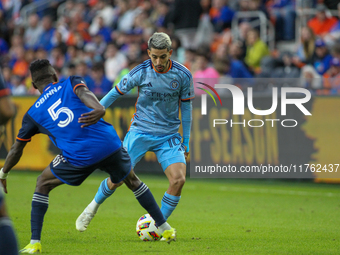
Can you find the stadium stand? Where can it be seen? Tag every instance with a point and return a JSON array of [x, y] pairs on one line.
[[76, 35]]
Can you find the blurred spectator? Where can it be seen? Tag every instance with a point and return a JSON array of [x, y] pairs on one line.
[[205, 30], [7, 74], [45, 40], [3, 45], [57, 58], [310, 79], [128, 12], [185, 16], [57, 41], [71, 55], [203, 72], [98, 44], [18, 88], [101, 85], [106, 12], [83, 71], [103, 30], [307, 46], [115, 61], [286, 68], [134, 52], [283, 13], [221, 15], [178, 52], [321, 24], [159, 16], [70, 69], [331, 78], [321, 59], [256, 50], [41, 54], [189, 58], [238, 68], [20, 66], [333, 36], [124, 72], [33, 32]]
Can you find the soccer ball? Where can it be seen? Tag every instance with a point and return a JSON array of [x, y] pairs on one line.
[[146, 229]]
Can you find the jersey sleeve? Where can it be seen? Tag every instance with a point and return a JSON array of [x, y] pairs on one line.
[[28, 129], [127, 83], [77, 81], [4, 91], [187, 91]]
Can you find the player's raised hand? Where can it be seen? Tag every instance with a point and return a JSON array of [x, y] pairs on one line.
[[92, 117]]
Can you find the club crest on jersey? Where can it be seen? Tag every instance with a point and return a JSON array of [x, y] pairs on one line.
[[124, 81], [174, 84]]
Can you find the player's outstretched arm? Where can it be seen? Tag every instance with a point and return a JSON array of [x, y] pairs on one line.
[[12, 159], [110, 97], [186, 109], [91, 101]]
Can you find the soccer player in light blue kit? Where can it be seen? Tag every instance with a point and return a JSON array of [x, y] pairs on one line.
[[164, 86]]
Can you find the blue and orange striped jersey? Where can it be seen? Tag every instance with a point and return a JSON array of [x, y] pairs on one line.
[[56, 114], [159, 96]]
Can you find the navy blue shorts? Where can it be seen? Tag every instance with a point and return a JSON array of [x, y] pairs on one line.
[[117, 165]]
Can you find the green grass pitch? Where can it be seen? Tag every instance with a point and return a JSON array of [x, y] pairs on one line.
[[213, 217]]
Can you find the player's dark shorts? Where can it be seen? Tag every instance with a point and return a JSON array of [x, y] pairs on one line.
[[117, 165]]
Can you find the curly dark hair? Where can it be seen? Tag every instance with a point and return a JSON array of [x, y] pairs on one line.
[[41, 69]]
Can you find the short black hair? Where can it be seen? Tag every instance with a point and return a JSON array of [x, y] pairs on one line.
[[41, 69]]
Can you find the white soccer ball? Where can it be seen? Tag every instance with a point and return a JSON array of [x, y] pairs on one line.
[[146, 229]]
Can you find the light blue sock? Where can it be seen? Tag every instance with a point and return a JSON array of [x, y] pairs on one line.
[[103, 192], [169, 203]]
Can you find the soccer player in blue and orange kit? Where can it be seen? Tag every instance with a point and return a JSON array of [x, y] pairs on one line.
[[164, 86], [84, 146]]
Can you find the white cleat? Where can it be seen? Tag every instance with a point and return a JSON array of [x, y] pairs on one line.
[[84, 220]]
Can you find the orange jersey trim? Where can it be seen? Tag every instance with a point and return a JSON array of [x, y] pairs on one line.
[[116, 87], [187, 99], [78, 85], [23, 140], [166, 70]]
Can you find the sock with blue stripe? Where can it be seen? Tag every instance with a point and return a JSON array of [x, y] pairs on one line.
[[102, 194], [146, 199], [8, 241], [39, 208], [169, 203]]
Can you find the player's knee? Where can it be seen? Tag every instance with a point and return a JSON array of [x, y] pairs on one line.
[[178, 181], [113, 186], [43, 186], [132, 182]]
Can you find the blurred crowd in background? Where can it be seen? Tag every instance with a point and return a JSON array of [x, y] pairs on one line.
[[101, 40]]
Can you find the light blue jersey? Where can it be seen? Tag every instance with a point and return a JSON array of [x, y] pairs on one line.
[[159, 96]]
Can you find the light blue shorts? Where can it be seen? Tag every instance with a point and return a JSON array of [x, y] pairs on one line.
[[168, 148]]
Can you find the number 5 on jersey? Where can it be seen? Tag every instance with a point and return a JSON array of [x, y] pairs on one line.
[[55, 115]]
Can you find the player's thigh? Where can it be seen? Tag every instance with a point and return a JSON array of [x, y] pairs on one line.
[[136, 145], [170, 151], [117, 165]]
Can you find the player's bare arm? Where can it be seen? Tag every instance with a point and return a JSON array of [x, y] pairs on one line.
[[91, 101], [12, 159]]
